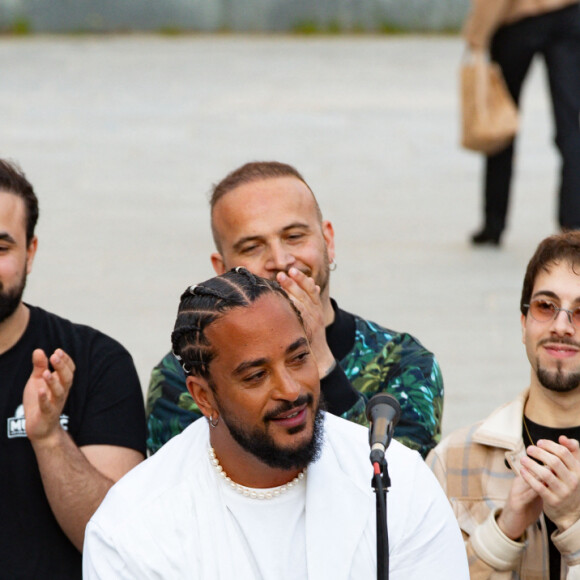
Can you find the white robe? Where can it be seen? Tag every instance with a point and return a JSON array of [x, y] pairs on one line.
[[167, 518]]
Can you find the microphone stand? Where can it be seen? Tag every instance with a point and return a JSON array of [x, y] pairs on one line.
[[380, 483], [383, 412]]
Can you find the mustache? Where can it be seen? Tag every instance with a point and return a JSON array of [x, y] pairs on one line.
[[307, 399], [562, 340]]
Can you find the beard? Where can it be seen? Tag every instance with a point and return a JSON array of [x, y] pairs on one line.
[[10, 299], [261, 444], [557, 381], [322, 278]]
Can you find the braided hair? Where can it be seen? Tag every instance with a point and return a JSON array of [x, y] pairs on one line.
[[202, 304]]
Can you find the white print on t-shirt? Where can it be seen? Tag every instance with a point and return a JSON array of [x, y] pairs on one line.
[[17, 425]]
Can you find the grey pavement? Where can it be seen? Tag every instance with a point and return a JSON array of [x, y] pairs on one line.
[[124, 135]]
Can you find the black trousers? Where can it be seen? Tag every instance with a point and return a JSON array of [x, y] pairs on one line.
[[556, 36]]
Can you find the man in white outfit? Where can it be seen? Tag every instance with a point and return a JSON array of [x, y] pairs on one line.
[[269, 486]]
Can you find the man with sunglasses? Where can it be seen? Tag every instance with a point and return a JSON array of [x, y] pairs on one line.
[[514, 479]]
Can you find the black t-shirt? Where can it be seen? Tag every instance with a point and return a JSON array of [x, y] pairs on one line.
[[532, 432], [104, 407]]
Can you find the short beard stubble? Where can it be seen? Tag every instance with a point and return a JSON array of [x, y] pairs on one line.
[[557, 381], [10, 299]]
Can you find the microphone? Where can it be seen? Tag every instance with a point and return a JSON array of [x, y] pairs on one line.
[[383, 412]]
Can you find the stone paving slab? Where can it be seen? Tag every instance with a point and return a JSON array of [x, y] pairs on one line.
[[123, 136]]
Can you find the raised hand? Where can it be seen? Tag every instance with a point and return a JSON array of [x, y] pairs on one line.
[[46, 392], [557, 481], [522, 508], [306, 296]]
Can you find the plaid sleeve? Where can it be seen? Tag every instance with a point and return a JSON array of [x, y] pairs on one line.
[[468, 472]]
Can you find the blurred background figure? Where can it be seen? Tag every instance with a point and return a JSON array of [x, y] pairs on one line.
[[514, 31]]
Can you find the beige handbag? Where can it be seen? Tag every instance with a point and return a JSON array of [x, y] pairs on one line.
[[489, 116]]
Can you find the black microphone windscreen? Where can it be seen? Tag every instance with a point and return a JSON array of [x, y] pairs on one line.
[[383, 399]]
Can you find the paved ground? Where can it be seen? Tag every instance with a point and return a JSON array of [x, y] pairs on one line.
[[123, 136]]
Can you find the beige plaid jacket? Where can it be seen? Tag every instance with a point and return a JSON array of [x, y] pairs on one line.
[[476, 466]]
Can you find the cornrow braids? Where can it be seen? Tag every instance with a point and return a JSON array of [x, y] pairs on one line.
[[202, 304]]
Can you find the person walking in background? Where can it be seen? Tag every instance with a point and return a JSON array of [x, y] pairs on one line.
[[514, 31]]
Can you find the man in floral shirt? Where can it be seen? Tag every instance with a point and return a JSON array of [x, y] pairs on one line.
[[265, 217]]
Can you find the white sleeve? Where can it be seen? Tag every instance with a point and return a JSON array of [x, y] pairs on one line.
[[427, 541], [101, 560], [119, 548], [567, 543]]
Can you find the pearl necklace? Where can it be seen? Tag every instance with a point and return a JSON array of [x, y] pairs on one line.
[[248, 491]]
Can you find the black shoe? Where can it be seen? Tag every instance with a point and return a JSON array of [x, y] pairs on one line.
[[486, 236]]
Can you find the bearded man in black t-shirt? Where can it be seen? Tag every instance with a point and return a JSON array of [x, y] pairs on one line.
[[72, 406]]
